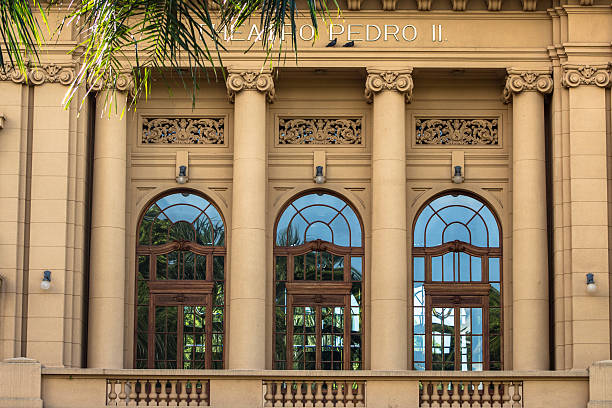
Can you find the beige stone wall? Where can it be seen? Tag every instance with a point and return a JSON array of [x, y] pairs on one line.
[[43, 166]]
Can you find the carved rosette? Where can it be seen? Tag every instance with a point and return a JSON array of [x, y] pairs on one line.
[[400, 81], [124, 83], [520, 81], [576, 75], [38, 75], [238, 81]]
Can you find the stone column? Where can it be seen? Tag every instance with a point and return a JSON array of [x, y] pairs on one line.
[[247, 330], [388, 91], [589, 211], [526, 89], [107, 259]]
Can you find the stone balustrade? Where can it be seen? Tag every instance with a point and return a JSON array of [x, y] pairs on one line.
[[314, 393], [471, 392], [156, 392]]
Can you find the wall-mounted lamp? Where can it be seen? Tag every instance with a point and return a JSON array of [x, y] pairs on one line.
[[2, 119], [182, 177], [319, 178], [591, 286], [457, 176], [45, 284]]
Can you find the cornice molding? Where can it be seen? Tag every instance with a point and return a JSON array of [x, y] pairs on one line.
[[38, 75], [576, 75], [238, 81], [531, 81], [379, 80]]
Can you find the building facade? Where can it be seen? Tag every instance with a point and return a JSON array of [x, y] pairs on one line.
[[418, 215]]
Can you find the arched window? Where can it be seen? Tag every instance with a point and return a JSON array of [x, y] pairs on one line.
[[318, 273], [180, 275], [457, 274]]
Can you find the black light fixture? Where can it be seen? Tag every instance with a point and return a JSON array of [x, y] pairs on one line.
[[182, 177], [45, 284], [319, 178], [591, 287], [457, 177]]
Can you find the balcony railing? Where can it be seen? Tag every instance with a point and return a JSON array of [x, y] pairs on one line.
[[68, 388]]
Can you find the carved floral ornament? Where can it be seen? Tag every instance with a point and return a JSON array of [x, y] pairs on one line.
[[38, 75], [124, 83], [576, 75], [400, 81], [238, 81], [319, 131], [520, 81], [457, 131], [188, 131]]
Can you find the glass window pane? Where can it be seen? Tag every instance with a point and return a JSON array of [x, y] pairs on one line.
[[218, 267], [321, 231], [433, 233], [356, 268], [342, 234], [419, 227], [476, 320], [143, 267], [476, 269], [281, 268], [419, 348], [492, 227], [436, 268], [419, 268], [456, 232], [494, 270], [448, 267]]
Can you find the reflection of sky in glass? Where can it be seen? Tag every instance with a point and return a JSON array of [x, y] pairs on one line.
[[449, 218], [307, 216]]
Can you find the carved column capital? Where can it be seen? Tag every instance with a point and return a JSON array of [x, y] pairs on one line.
[[378, 80], [576, 75], [238, 81], [124, 83], [520, 81], [38, 75]]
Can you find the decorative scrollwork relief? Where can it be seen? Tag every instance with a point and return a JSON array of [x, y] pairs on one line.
[[400, 81], [191, 131], [321, 131], [520, 81], [576, 75], [38, 75], [123, 82], [457, 131]]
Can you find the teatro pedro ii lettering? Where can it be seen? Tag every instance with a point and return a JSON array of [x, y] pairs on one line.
[[413, 214]]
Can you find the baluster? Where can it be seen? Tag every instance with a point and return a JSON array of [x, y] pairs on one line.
[[309, 398], [299, 394], [204, 395], [111, 395], [268, 396], [153, 395], [436, 395], [445, 398], [455, 398], [278, 393], [163, 395], [516, 395], [329, 394], [505, 394], [465, 395], [122, 395], [192, 395], [289, 395], [142, 393], [340, 395], [348, 394], [360, 395], [182, 398], [486, 397], [172, 398], [318, 397], [131, 398], [496, 395], [425, 400]]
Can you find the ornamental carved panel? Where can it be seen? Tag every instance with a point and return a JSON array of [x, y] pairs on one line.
[[189, 131], [320, 131], [457, 131]]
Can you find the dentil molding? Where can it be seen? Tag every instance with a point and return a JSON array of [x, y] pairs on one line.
[[576, 75], [400, 81], [38, 75], [520, 81], [238, 81]]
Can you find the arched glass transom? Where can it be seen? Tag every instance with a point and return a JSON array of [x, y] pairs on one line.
[[318, 273], [180, 277], [457, 275]]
